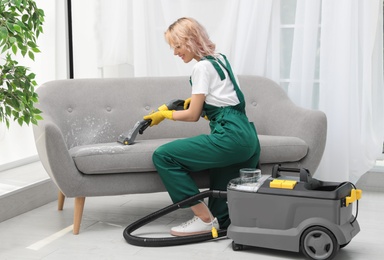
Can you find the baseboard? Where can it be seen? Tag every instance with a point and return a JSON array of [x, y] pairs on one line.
[[28, 198], [18, 163]]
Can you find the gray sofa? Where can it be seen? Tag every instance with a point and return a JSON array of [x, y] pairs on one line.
[[76, 141]]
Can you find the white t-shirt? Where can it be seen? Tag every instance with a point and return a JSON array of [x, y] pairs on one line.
[[206, 80]]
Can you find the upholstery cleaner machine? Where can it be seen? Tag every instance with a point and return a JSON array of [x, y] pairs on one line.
[[288, 210], [298, 214]]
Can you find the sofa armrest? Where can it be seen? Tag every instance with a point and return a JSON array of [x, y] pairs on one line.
[[287, 119], [54, 156], [274, 114]]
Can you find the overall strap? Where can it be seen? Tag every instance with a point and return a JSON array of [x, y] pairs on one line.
[[228, 68], [216, 66]]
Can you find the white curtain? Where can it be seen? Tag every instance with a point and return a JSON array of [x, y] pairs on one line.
[[256, 39], [131, 35], [336, 63], [348, 66], [302, 87], [351, 86]]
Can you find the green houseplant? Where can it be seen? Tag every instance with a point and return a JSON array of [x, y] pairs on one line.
[[20, 25]]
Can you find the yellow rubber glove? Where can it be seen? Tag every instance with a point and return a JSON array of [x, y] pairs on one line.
[[163, 108], [158, 116], [187, 102]]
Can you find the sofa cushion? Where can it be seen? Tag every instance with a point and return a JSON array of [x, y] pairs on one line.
[[279, 149], [107, 158], [114, 157]]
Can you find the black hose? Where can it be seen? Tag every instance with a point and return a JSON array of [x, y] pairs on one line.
[[171, 241]]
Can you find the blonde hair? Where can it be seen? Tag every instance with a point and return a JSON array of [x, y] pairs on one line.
[[191, 34]]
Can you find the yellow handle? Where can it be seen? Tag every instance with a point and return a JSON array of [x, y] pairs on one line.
[[214, 232], [355, 195]]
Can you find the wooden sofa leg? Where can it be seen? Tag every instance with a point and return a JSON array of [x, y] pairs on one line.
[[78, 214], [60, 201]]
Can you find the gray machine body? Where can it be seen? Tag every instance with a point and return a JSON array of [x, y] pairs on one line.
[[276, 218]]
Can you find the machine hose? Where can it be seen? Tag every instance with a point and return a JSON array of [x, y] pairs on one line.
[[171, 241]]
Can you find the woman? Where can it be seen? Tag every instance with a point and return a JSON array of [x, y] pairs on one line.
[[232, 143]]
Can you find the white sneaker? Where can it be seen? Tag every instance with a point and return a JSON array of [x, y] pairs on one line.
[[193, 227]]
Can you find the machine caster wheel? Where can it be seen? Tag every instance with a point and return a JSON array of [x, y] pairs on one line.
[[342, 246], [319, 243], [237, 247]]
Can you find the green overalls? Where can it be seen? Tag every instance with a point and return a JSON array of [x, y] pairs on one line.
[[232, 144]]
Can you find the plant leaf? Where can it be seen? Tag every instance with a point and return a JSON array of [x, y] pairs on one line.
[[35, 50], [14, 49], [24, 18], [17, 28], [38, 117], [20, 120], [31, 55], [3, 32], [31, 44]]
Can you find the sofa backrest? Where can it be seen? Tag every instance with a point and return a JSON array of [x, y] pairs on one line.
[[91, 111], [98, 110], [266, 104]]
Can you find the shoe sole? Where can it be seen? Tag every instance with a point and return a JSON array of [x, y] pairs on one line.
[[184, 234]]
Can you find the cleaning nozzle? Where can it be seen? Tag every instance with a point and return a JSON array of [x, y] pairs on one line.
[[129, 137]]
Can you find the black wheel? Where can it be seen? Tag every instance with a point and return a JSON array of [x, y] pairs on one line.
[[237, 247], [318, 243]]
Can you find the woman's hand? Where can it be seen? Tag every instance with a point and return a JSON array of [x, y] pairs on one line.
[[192, 110], [157, 117]]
